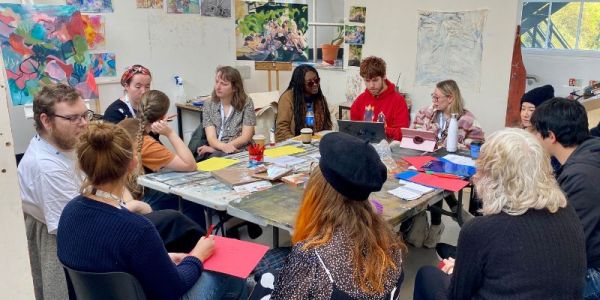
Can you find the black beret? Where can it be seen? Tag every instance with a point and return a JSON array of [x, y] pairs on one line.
[[538, 95], [351, 165]]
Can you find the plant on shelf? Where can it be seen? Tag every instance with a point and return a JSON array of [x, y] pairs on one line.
[[330, 51]]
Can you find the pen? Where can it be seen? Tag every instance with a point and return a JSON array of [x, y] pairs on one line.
[[209, 231], [444, 175]]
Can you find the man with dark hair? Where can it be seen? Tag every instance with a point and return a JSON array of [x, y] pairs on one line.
[[380, 102], [562, 127]]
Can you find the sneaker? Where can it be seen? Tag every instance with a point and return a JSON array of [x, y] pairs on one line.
[[445, 251], [433, 235]]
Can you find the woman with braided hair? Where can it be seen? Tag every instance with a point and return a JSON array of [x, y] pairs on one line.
[[154, 156], [302, 105]]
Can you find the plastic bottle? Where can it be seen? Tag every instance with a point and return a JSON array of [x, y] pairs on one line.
[[452, 138], [180, 91], [310, 119]]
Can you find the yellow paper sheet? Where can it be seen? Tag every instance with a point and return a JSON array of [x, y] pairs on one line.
[[215, 163], [283, 150]]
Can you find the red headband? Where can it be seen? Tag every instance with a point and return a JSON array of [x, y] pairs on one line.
[[132, 71]]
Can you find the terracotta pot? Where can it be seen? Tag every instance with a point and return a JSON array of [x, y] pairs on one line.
[[330, 53]]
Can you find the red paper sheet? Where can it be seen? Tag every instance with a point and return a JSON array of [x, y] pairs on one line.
[[234, 257], [419, 161], [449, 184]]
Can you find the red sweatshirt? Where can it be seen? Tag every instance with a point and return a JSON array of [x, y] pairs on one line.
[[390, 103]]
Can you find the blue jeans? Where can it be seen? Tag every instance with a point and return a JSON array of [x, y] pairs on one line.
[[592, 284], [213, 285]]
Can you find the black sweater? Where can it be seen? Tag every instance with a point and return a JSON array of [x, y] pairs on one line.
[[537, 255], [579, 178], [117, 112]]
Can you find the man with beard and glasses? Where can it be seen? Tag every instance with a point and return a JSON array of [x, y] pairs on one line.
[[49, 179], [47, 183]]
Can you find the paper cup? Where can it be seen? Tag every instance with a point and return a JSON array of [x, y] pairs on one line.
[[259, 139], [306, 135]]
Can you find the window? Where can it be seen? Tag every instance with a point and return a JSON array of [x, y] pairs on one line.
[[561, 24], [326, 19]]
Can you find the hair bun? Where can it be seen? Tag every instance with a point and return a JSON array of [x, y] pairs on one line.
[[100, 136]]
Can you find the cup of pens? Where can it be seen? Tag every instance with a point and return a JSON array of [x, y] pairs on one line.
[[256, 152]]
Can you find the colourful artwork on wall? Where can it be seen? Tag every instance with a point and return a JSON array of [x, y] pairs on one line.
[[183, 6], [355, 35], [92, 6], [358, 14], [43, 44], [355, 55], [93, 26], [216, 8], [149, 3], [271, 31], [104, 64]]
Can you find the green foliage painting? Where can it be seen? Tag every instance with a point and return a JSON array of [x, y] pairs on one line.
[[271, 31]]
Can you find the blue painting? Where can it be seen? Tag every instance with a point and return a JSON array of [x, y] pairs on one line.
[[92, 6]]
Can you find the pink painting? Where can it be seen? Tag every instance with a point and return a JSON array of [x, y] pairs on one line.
[[93, 26], [42, 45]]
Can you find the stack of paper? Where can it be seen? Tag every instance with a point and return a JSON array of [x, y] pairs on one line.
[[409, 190], [285, 161]]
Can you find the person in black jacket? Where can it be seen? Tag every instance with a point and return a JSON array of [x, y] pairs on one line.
[[595, 131], [135, 81], [527, 245], [562, 127]]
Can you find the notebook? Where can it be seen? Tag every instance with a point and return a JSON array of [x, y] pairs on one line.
[[373, 132]]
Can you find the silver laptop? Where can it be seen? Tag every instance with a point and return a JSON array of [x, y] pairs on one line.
[[373, 132]]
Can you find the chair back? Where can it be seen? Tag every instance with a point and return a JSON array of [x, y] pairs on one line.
[[97, 286]]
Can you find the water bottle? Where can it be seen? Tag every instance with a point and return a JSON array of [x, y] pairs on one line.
[[179, 92], [452, 138], [310, 119]]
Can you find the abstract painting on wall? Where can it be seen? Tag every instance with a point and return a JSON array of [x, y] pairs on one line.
[[92, 6], [271, 31], [216, 8], [183, 6], [149, 3], [43, 44], [355, 85], [450, 45], [93, 26], [354, 35], [104, 64]]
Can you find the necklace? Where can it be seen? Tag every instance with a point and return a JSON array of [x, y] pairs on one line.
[[107, 195]]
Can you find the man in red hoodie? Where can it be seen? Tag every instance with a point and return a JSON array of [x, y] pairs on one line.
[[380, 102]]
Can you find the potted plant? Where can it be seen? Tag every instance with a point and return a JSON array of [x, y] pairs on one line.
[[330, 51]]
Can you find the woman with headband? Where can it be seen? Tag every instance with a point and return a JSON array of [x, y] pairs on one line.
[[136, 81]]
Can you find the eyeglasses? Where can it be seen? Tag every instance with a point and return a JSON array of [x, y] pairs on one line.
[[312, 82], [437, 98], [87, 116]]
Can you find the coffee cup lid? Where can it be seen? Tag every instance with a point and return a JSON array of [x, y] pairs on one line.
[[306, 130]]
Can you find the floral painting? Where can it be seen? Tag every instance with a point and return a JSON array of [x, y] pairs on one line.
[[44, 44], [149, 3], [357, 14], [355, 35], [271, 31], [93, 26]]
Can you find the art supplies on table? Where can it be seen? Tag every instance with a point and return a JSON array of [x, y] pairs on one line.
[[373, 132], [460, 160], [282, 151], [409, 190], [271, 172], [215, 163], [286, 161], [418, 161], [295, 179], [235, 176], [447, 167], [253, 187], [449, 184], [418, 139], [234, 257]]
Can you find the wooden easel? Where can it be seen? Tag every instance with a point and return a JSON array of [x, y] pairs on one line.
[[273, 66]]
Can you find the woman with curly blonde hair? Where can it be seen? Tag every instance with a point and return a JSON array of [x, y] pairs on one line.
[[529, 243]]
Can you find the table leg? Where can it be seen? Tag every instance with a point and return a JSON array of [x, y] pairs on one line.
[[340, 112], [179, 124], [275, 237], [459, 209]]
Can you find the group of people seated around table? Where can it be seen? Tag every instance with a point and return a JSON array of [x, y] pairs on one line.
[[538, 236]]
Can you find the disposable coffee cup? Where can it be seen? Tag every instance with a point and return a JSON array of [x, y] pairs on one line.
[[306, 135], [259, 139]]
